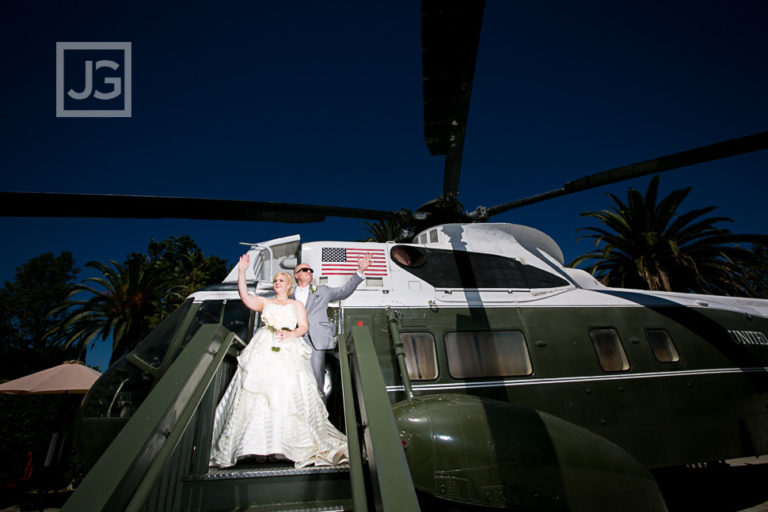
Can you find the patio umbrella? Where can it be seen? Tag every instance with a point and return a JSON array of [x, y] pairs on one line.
[[70, 377]]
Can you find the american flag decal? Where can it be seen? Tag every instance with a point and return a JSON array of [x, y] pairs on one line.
[[340, 261]]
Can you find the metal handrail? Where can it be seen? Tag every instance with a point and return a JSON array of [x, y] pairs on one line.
[[124, 475], [375, 447], [399, 349]]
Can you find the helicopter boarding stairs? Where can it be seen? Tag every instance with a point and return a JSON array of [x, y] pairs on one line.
[[159, 460]]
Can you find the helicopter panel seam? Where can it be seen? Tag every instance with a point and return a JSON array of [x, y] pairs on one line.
[[585, 378]]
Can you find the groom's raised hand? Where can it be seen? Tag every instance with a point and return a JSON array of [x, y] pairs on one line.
[[363, 262]]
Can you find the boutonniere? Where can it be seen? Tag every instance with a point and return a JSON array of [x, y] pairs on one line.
[[312, 288]]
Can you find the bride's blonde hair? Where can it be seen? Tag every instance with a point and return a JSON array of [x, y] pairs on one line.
[[289, 280]]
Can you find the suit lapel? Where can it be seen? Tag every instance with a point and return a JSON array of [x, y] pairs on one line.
[[310, 296]]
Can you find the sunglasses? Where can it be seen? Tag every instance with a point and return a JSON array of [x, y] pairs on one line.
[[306, 269]]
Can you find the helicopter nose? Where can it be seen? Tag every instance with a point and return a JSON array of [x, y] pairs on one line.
[[484, 452]]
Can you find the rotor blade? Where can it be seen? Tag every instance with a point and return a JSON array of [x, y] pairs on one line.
[[715, 151], [451, 172], [38, 204], [450, 34]]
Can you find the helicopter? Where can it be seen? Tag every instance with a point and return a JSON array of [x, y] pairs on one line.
[[458, 380]]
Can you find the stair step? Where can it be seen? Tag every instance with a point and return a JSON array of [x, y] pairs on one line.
[[331, 508], [270, 469], [269, 487]]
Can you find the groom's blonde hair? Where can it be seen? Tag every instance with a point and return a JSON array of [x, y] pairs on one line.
[[289, 277]]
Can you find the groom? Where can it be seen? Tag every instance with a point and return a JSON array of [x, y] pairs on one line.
[[321, 335]]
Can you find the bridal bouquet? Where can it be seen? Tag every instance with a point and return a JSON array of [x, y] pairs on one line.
[[279, 318]]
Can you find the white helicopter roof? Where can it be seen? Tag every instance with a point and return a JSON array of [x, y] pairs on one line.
[[491, 237], [389, 282]]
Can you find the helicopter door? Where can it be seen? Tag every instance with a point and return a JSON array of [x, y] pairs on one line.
[[269, 258]]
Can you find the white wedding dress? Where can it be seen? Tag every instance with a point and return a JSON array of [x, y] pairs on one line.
[[272, 405]]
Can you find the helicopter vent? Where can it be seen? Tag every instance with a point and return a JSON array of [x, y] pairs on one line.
[[431, 236]]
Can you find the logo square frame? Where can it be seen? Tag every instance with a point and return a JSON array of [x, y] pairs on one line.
[[61, 47]]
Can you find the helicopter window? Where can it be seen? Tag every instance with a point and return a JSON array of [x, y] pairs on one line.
[[209, 313], [121, 390], [420, 355], [236, 318], [610, 351], [444, 268], [153, 348], [487, 354], [662, 345], [408, 257]]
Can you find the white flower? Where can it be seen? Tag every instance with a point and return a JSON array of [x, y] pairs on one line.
[[279, 318], [312, 288]]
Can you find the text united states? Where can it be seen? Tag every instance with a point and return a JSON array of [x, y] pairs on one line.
[[339, 261]]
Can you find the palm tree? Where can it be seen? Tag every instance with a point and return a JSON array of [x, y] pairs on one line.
[[125, 301], [387, 230], [647, 244]]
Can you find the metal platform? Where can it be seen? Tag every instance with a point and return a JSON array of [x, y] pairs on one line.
[[270, 469]]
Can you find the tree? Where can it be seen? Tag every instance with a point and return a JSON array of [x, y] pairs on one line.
[[181, 257], [38, 286], [386, 230], [647, 244], [756, 270], [126, 301]]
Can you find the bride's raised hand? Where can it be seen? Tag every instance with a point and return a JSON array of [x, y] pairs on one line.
[[243, 263]]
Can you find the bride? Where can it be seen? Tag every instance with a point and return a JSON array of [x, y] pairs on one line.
[[272, 406]]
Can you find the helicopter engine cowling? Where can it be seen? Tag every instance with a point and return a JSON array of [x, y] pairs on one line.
[[478, 451]]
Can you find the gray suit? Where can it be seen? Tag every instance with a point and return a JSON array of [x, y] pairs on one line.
[[322, 333]]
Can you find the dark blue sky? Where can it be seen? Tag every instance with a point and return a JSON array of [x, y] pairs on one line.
[[321, 103]]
